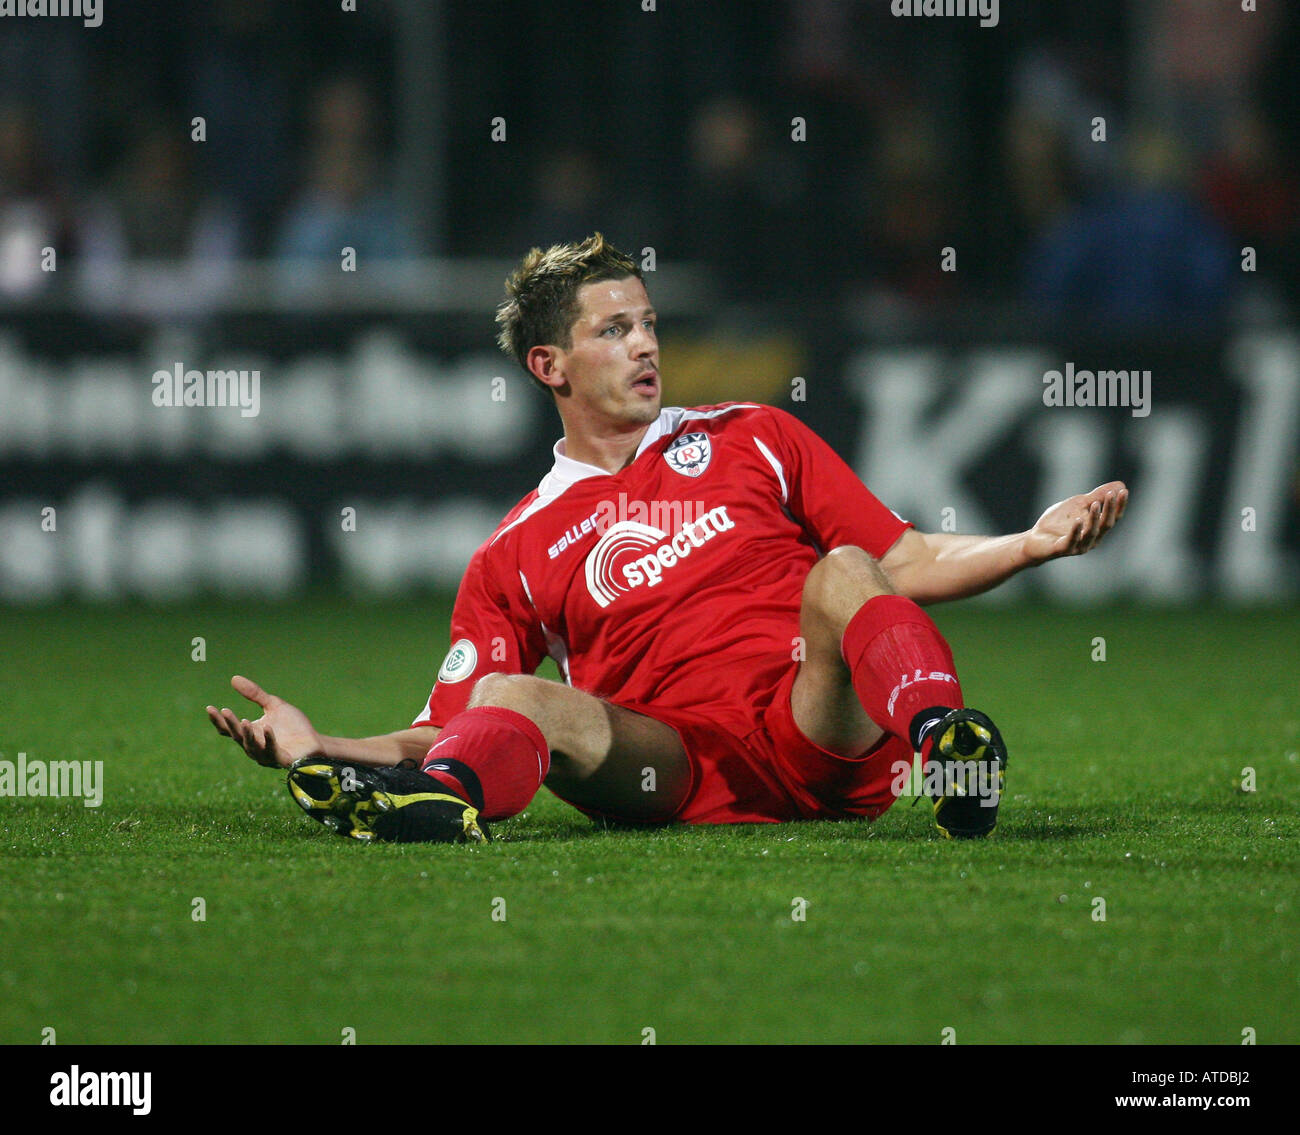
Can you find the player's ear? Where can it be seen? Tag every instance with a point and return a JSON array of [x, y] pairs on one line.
[[545, 363]]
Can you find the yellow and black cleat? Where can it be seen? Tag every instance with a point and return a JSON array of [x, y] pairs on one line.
[[965, 771], [398, 805]]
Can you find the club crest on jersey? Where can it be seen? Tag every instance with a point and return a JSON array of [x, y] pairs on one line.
[[689, 455], [459, 663]]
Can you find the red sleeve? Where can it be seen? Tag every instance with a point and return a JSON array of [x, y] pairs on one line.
[[822, 492], [493, 630]]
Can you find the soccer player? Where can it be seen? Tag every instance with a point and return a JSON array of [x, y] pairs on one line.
[[736, 617]]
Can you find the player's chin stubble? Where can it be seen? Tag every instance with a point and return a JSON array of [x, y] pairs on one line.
[[645, 413], [632, 408]]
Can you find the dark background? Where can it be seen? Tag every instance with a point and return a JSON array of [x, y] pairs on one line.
[[673, 131]]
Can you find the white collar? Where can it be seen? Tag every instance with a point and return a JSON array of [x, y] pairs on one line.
[[566, 471]]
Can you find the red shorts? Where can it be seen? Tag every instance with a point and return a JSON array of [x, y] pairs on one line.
[[772, 772]]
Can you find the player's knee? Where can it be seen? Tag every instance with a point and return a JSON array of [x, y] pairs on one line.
[[845, 577], [508, 691], [548, 705]]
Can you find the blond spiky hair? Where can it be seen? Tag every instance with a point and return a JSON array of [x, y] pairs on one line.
[[541, 303]]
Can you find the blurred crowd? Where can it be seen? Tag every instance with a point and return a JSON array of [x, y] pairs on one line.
[[1105, 163]]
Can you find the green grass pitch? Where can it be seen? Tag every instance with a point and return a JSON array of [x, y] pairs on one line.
[[1125, 784]]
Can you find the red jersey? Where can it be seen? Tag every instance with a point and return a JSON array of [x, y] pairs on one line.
[[675, 582]]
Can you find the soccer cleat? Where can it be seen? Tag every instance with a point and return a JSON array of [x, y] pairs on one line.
[[398, 805], [966, 783]]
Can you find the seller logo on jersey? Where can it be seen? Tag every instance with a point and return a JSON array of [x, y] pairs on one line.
[[689, 454], [459, 663]]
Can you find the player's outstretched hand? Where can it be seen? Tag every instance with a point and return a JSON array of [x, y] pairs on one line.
[[279, 737], [1077, 524]]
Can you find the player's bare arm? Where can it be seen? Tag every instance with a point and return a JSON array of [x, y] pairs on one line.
[[284, 734], [930, 567]]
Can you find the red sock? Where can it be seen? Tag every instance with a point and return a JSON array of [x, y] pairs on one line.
[[493, 757], [901, 668]]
